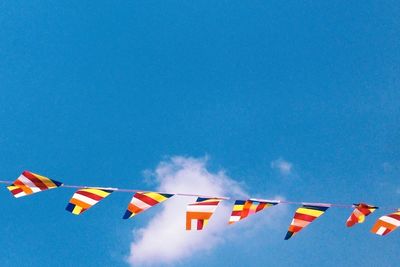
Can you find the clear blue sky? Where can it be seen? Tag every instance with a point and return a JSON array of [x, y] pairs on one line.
[[96, 93]]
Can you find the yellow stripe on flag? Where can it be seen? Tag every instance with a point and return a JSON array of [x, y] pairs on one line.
[[98, 192], [156, 196], [237, 207], [315, 213]]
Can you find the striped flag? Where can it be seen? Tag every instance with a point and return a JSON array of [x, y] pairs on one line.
[[386, 224], [244, 208], [84, 199], [358, 215], [29, 183], [142, 201], [199, 213], [304, 216]]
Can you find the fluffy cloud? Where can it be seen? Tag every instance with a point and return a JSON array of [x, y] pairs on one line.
[[164, 239], [284, 167]]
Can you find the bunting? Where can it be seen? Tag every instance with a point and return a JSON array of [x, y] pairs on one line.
[[358, 215], [387, 223], [244, 208], [304, 216], [29, 183], [84, 199], [199, 213], [142, 201]]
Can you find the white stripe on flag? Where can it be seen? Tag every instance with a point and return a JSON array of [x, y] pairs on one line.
[[391, 220], [142, 205], [29, 184], [381, 230], [206, 208], [20, 194], [193, 223], [234, 218], [84, 199]]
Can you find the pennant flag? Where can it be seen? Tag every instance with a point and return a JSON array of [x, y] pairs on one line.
[[304, 216], [84, 199], [198, 214], [386, 224], [142, 201], [244, 208], [358, 215], [29, 183]]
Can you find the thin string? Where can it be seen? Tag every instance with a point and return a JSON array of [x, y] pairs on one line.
[[337, 205]]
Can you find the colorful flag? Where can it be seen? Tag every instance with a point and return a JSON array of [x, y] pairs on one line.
[[358, 215], [142, 201], [84, 199], [304, 216], [198, 214], [386, 224], [29, 183], [244, 208]]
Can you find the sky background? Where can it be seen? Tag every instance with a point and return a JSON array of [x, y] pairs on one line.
[[292, 99]]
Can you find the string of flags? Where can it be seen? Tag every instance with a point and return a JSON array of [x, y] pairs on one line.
[[199, 213]]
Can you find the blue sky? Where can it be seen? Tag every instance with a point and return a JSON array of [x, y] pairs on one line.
[[98, 93]]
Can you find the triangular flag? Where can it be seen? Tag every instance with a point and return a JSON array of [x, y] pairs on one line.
[[244, 208], [85, 198], [358, 215], [142, 201], [29, 183], [387, 223], [304, 216], [199, 213]]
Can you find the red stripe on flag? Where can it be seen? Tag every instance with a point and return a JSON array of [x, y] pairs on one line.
[[17, 191], [35, 180], [236, 213], [90, 195], [261, 206], [386, 231], [213, 203], [364, 210], [352, 220], [394, 216], [304, 217], [146, 199], [200, 224]]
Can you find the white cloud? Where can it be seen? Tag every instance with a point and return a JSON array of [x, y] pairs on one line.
[[284, 167], [164, 239]]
